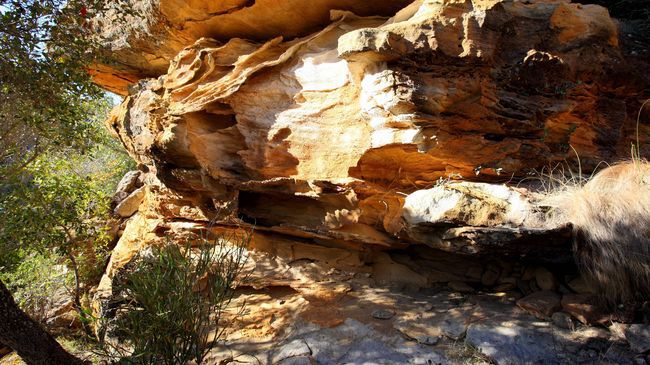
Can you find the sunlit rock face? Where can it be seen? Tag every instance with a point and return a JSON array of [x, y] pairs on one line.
[[156, 30], [348, 123]]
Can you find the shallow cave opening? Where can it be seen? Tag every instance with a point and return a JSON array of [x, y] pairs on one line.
[[624, 9], [635, 16], [486, 273]]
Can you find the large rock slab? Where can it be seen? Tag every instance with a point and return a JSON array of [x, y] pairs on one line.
[[127, 184], [541, 304], [130, 204], [513, 344], [428, 328], [585, 308], [469, 204], [356, 343], [353, 127], [144, 45]]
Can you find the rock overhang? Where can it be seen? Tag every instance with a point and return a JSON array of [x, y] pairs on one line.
[[335, 132]]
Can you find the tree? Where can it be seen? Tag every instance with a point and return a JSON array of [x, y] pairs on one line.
[[27, 338], [46, 104], [55, 209], [44, 47]]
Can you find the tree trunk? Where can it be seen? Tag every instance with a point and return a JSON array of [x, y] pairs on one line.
[[77, 296], [25, 336]]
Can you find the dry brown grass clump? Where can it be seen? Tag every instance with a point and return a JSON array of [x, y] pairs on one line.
[[611, 219]]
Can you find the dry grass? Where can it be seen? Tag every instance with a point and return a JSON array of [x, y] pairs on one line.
[[458, 352], [611, 218]]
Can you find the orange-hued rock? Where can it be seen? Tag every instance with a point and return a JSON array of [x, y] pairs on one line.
[[585, 309], [580, 22], [364, 148], [145, 44], [337, 129], [342, 128]]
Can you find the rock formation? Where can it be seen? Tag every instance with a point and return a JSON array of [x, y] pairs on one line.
[[373, 137], [355, 132]]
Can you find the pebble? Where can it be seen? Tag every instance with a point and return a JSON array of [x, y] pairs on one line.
[[562, 320], [383, 314], [460, 287]]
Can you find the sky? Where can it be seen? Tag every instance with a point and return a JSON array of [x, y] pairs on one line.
[[116, 99]]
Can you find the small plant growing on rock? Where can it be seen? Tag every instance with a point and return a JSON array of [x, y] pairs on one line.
[[173, 300]]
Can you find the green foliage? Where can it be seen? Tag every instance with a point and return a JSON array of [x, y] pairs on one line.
[[52, 206], [174, 299], [54, 211], [51, 144], [56, 199], [46, 94], [53, 198], [35, 280]]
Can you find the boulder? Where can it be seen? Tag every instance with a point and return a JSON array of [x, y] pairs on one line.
[[545, 279], [467, 204], [541, 304], [130, 204], [490, 275], [584, 308], [127, 184], [580, 286]]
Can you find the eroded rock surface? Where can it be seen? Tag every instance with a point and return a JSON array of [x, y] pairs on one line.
[[372, 145], [436, 328], [145, 44], [357, 131]]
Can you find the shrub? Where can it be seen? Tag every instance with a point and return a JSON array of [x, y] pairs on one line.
[[173, 298], [36, 282], [57, 208]]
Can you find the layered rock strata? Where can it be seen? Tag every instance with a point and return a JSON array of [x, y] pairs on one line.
[[356, 132], [371, 137]]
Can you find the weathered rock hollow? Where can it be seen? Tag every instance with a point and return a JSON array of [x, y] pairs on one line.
[[345, 126]]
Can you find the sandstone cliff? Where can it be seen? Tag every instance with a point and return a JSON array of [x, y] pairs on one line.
[[342, 133], [342, 129]]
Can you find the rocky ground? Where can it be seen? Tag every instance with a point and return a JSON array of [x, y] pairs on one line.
[[338, 317], [503, 294], [361, 323], [355, 321], [310, 304]]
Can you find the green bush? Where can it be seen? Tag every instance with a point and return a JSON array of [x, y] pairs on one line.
[[35, 281], [173, 300], [55, 210]]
